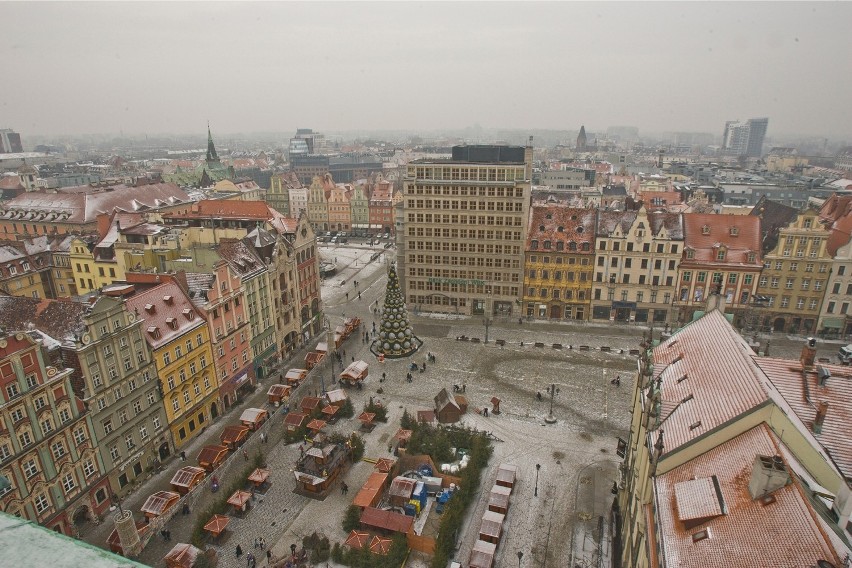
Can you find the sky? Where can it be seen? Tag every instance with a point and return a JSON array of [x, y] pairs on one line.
[[169, 67]]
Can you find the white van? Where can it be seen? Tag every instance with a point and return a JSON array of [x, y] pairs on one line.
[[846, 354]]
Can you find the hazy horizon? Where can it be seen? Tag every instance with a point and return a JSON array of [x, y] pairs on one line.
[[145, 68]]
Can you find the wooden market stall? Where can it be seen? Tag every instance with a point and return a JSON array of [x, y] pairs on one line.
[[278, 394], [217, 524], [387, 521], [239, 500], [254, 417], [482, 555], [234, 436], [371, 492], [402, 437], [313, 359], [380, 545], [212, 456], [330, 413], [400, 491], [506, 475], [310, 404], [294, 420], [491, 528], [259, 476], [186, 478], [355, 372], [315, 426], [385, 465], [498, 499], [367, 419], [336, 397], [183, 555], [357, 539], [159, 503], [294, 377]]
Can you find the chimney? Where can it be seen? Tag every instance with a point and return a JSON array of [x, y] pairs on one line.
[[808, 355], [822, 409], [767, 475]]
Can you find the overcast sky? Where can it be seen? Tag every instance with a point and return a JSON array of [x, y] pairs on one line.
[[72, 68]]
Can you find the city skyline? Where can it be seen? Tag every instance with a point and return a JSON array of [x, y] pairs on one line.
[[261, 67]]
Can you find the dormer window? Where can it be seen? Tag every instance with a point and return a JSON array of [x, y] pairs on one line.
[[705, 230], [734, 231], [546, 245], [188, 314], [560, 246], [720, 254], [534, 245], [167, 299], [541, 227], [690, 253], [751, 257], [154, 332], [150, 308], [172, 323], [560, 229]]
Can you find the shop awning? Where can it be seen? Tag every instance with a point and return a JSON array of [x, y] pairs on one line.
[[833, 323]]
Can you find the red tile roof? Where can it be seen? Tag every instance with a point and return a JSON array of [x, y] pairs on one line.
[[167, 313], [387, 520], [748, 533], [694, 405], [836, 212], [704, 233], [557, 223], [804, 394]]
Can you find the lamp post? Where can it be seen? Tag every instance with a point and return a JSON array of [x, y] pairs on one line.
[[520, 555], [330, 345], [552, 390], [537, 468]]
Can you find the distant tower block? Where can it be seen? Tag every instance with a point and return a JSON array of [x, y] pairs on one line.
[[396, 338], [128, 536]]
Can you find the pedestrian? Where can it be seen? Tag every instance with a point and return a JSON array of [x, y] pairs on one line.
[[245, 455], [262, 543], [163, 534], [359, 295], [256, 542], [168, 535], [293, 549], [239, 551], [347, 296], [269, 557], [183, 456], [249, 558], [464, 387]]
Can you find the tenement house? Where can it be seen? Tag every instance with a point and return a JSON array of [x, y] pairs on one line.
[[113, 374], [795, 273], [835, 316], [559, 262], [46, 450], [465, 231], [721, 254], [638, 253]]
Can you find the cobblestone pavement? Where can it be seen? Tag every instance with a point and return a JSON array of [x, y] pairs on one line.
[[590, 414]]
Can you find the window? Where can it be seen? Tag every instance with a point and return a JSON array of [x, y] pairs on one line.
[[763, 280], [800, 303], [30, 468], [143, 432], [178, 352], [68, 483], [79, 436], [128, 364], [41, 503], [114, 453], [137, 406], [151, 398], [175, 404], [812, 304], [167, 358], [32, 381], [830, 308], [171, 382], [186, 398], [17, 415], [47, 425], [39, 403], [785, 301], [128, 441], [122, 416], [12, 390], [88, 468], [25, 439], [107, 426], [58, 449], [107, 350], [156, 421]]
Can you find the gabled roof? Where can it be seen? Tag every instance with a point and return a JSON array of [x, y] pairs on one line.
[[60, 319], [836, 213], [242, 258], [704, 233], [444, 399], [803, 392], [166, 311], [558, 223], [742, 531]]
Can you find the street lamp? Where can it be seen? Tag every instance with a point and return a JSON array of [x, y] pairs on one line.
[[330, 346], [552, 390], [537, 468], [520, 555]]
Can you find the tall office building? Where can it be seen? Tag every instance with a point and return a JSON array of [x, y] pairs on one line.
[[465, 224], [10, 142], [745, 138]]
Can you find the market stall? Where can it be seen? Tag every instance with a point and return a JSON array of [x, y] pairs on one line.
[[159, 503], [186, 478]]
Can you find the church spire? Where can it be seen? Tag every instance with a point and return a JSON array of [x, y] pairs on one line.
[[211, 149]]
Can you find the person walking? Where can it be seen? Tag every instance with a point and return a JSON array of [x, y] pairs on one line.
[[269, 557], [239, 551], [249, 559], [245, 455]]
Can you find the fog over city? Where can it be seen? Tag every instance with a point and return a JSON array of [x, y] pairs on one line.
[[147, 68]]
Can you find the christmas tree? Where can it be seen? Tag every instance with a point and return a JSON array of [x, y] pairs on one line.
[[396, 339]]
